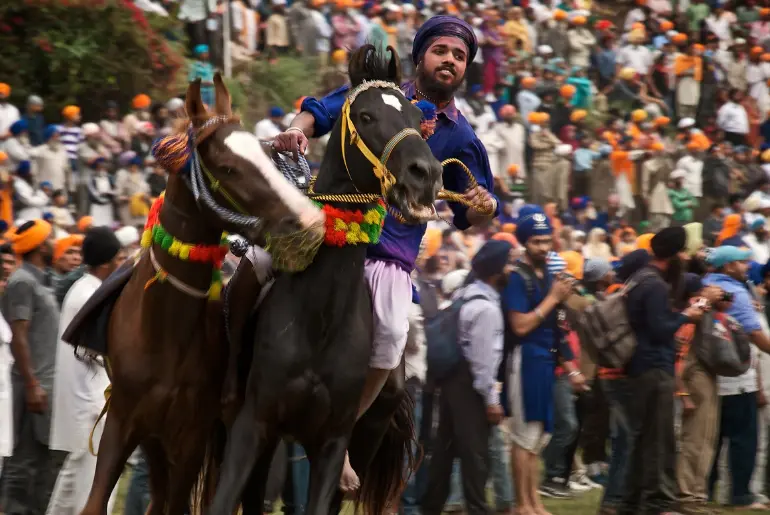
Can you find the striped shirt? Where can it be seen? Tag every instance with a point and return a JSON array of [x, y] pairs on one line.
[[71, 138]]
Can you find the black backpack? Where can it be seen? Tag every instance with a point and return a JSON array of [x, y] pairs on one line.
[[442, 338]]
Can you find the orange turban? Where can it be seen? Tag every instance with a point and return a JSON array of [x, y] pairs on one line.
[[559, 15], [32, 238], [141, 101], [432, 242], [85, 223], [679, 38], [339, 56], [764, 11], [698, 48], [639, 115], [766, 156], [538, 118], [5, 89], [666, 25], [513, 169], [574, 262], [528, 82], [757, 50], [657, 146], [567, 91], [578, 115], [70, 112], [506, 236], [509, 228], [298, 103], [645, 242], [661, 121], [579, 20], [766, 57], [3, 157], [637, 26], [63, 244], [730, 227]]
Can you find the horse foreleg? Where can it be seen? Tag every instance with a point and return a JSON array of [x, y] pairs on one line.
[[253, 496], [325, 470], [115, 447], [246, 443]]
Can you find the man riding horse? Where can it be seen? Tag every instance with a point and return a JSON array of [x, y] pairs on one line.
[[442, 49]]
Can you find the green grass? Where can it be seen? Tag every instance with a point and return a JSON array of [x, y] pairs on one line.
[[585, 504]]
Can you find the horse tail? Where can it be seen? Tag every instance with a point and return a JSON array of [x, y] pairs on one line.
[[394, 462], [205, 486]]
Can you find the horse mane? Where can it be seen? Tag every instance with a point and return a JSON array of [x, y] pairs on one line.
[[369, 63]]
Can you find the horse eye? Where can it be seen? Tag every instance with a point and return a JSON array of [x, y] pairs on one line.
[[366, 117]]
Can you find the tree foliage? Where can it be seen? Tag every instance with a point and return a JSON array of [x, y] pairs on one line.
[[87, 52]]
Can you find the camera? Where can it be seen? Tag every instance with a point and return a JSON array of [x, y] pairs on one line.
[[727, 297]]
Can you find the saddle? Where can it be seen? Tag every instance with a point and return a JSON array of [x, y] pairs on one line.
[[88, 330]]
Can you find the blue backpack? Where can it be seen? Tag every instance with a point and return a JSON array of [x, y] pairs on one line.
[[442, 338]]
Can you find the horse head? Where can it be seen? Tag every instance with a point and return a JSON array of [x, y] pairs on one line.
[[383, 150], [235, 184]]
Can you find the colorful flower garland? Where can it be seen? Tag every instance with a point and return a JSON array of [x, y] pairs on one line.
[[346, 227], [154, 232]]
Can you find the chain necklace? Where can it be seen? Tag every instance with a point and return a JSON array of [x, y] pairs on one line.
[[429, 99]]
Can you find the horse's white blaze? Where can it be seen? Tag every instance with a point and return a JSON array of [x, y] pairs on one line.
[[247, 146], [392, 100]]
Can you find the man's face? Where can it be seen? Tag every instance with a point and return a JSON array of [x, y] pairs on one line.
[[70, 260], [443, 65], [538, 248], [8, 264], [34, 108], [118, 260], [737, 270]]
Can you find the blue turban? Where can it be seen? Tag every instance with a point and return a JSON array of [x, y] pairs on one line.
[[276, 112], [532, 221], [19, 126], [201, 49], [24, 169], [443, 26], [48, 216], [136, 160], [475, 88], [491, 258], [44, 184], [50, 131]]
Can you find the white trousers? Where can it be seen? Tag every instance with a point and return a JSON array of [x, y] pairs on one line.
[[73, 485]]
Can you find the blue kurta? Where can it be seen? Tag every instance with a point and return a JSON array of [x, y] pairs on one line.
[[453, 137]]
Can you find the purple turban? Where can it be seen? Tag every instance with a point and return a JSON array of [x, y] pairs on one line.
[[441, 26]]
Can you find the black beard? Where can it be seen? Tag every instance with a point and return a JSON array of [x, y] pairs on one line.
[[434, 89], [674, 276]]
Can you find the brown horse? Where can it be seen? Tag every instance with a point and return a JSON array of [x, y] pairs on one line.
[[164, 349]]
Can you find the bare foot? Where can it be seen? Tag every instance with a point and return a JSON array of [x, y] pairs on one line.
[[524, 510], [349, 481]]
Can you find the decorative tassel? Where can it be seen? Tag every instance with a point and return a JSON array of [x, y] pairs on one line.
[[428, 122], [172, 152]]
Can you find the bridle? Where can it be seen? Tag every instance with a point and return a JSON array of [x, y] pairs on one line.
[[379, 164]]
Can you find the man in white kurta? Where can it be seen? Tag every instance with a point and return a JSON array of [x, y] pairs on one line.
[[79, 387]]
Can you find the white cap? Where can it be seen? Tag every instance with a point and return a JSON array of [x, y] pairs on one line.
[[452, 281], [409, 8], [128, 235], [677, 174], [563, 150], [544, 49], [392, 7], [739, 41], [684, 123], [90, 129], [174, 104], [279, 2]]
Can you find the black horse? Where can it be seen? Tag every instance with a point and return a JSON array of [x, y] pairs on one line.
[[312, 333]]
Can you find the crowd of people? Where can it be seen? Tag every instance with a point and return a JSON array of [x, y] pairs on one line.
[[619, 150]]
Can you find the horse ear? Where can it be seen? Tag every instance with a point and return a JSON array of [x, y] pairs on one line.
[[223, 102], [357, 64], [394, 66], [196, 111]]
